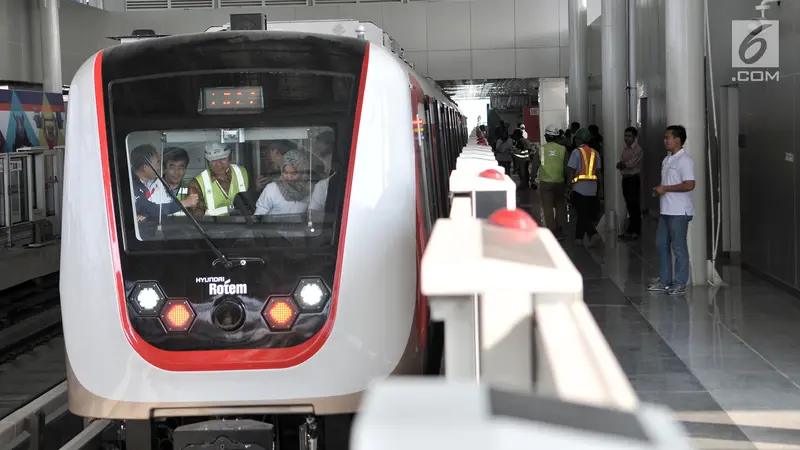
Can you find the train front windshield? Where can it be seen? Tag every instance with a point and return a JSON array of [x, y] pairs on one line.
[[258, 160]]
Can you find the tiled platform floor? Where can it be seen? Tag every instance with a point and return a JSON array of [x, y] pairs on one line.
[[725, 360]]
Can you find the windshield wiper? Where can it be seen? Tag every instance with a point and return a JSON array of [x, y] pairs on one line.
[[227, 263]]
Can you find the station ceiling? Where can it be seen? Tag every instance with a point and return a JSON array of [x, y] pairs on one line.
[[486, 88]]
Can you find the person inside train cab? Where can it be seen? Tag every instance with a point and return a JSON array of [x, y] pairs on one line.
[[146, 186], [176, 160], [217, 186], [290, 193], [323, 149], [271, 155]]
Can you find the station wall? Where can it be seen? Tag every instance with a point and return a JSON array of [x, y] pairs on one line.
[[20, 41], [445, 39], [769, 114]]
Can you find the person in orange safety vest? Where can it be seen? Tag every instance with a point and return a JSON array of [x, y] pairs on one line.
[[583, 170]]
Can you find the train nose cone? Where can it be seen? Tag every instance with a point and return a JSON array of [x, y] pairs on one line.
[[229, 315]]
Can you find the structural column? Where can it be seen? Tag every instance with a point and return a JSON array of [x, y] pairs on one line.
[[578, 63], [633, 92], [552, 104], [51, 46], [615, 105], [731, 218], [685, 88]]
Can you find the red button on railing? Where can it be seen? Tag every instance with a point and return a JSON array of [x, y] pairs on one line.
[[492, 174], [516, 219]]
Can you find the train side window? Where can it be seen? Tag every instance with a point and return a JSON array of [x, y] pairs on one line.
[[451, 149], [423, 136], [441, 155], [445, 152], [431, 156]]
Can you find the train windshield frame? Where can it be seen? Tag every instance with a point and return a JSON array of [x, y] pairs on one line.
[[305, 117]]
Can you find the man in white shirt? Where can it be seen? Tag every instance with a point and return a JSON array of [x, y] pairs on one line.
[[677, 210]]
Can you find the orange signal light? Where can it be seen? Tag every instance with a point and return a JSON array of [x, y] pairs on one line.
[[177, 315], [280, 313]]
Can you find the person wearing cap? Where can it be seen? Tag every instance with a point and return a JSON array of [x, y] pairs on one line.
[[521, 127], [583, 170], [521, 155], [290, 193], [148, 192], [218, 185], [552, 187]]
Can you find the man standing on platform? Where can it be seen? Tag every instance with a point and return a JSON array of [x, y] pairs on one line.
[[630, 165], [677, 210], [583, 169]]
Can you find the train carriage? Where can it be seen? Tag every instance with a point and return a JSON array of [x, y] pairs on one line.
[[177, 310]]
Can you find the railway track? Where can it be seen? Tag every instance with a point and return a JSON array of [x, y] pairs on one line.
[[31, 343], [34, 413], [27, 300]]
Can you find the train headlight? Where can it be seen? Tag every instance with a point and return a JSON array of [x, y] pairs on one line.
[[177, 315], [280, 313], [311, 294], [147, 298]]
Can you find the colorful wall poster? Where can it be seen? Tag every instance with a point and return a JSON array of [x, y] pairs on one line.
[[31, 119]]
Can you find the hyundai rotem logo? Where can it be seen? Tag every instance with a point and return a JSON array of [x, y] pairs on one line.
[[222, 286]]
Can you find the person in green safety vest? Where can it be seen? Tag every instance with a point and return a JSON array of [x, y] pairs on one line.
[[552, 185], [219, 184]]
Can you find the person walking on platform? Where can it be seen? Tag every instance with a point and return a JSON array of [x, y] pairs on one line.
[[521, 154], [677, 210], [552, 187], [502, 152], [630, 165], [583, 171]]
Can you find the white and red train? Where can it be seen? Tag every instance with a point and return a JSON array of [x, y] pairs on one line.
[[157, 332]]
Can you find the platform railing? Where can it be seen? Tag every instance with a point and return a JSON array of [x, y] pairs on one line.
[[30, 193], [511, 299], [525, 362]]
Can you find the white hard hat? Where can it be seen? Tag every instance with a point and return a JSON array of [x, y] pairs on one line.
[[522, 126], [216, 151], [551, 130]]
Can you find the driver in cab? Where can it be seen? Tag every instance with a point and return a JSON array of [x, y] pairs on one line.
[[217, 186], [145, 165]]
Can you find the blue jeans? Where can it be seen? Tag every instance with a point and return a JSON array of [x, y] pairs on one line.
[[671, 238]]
